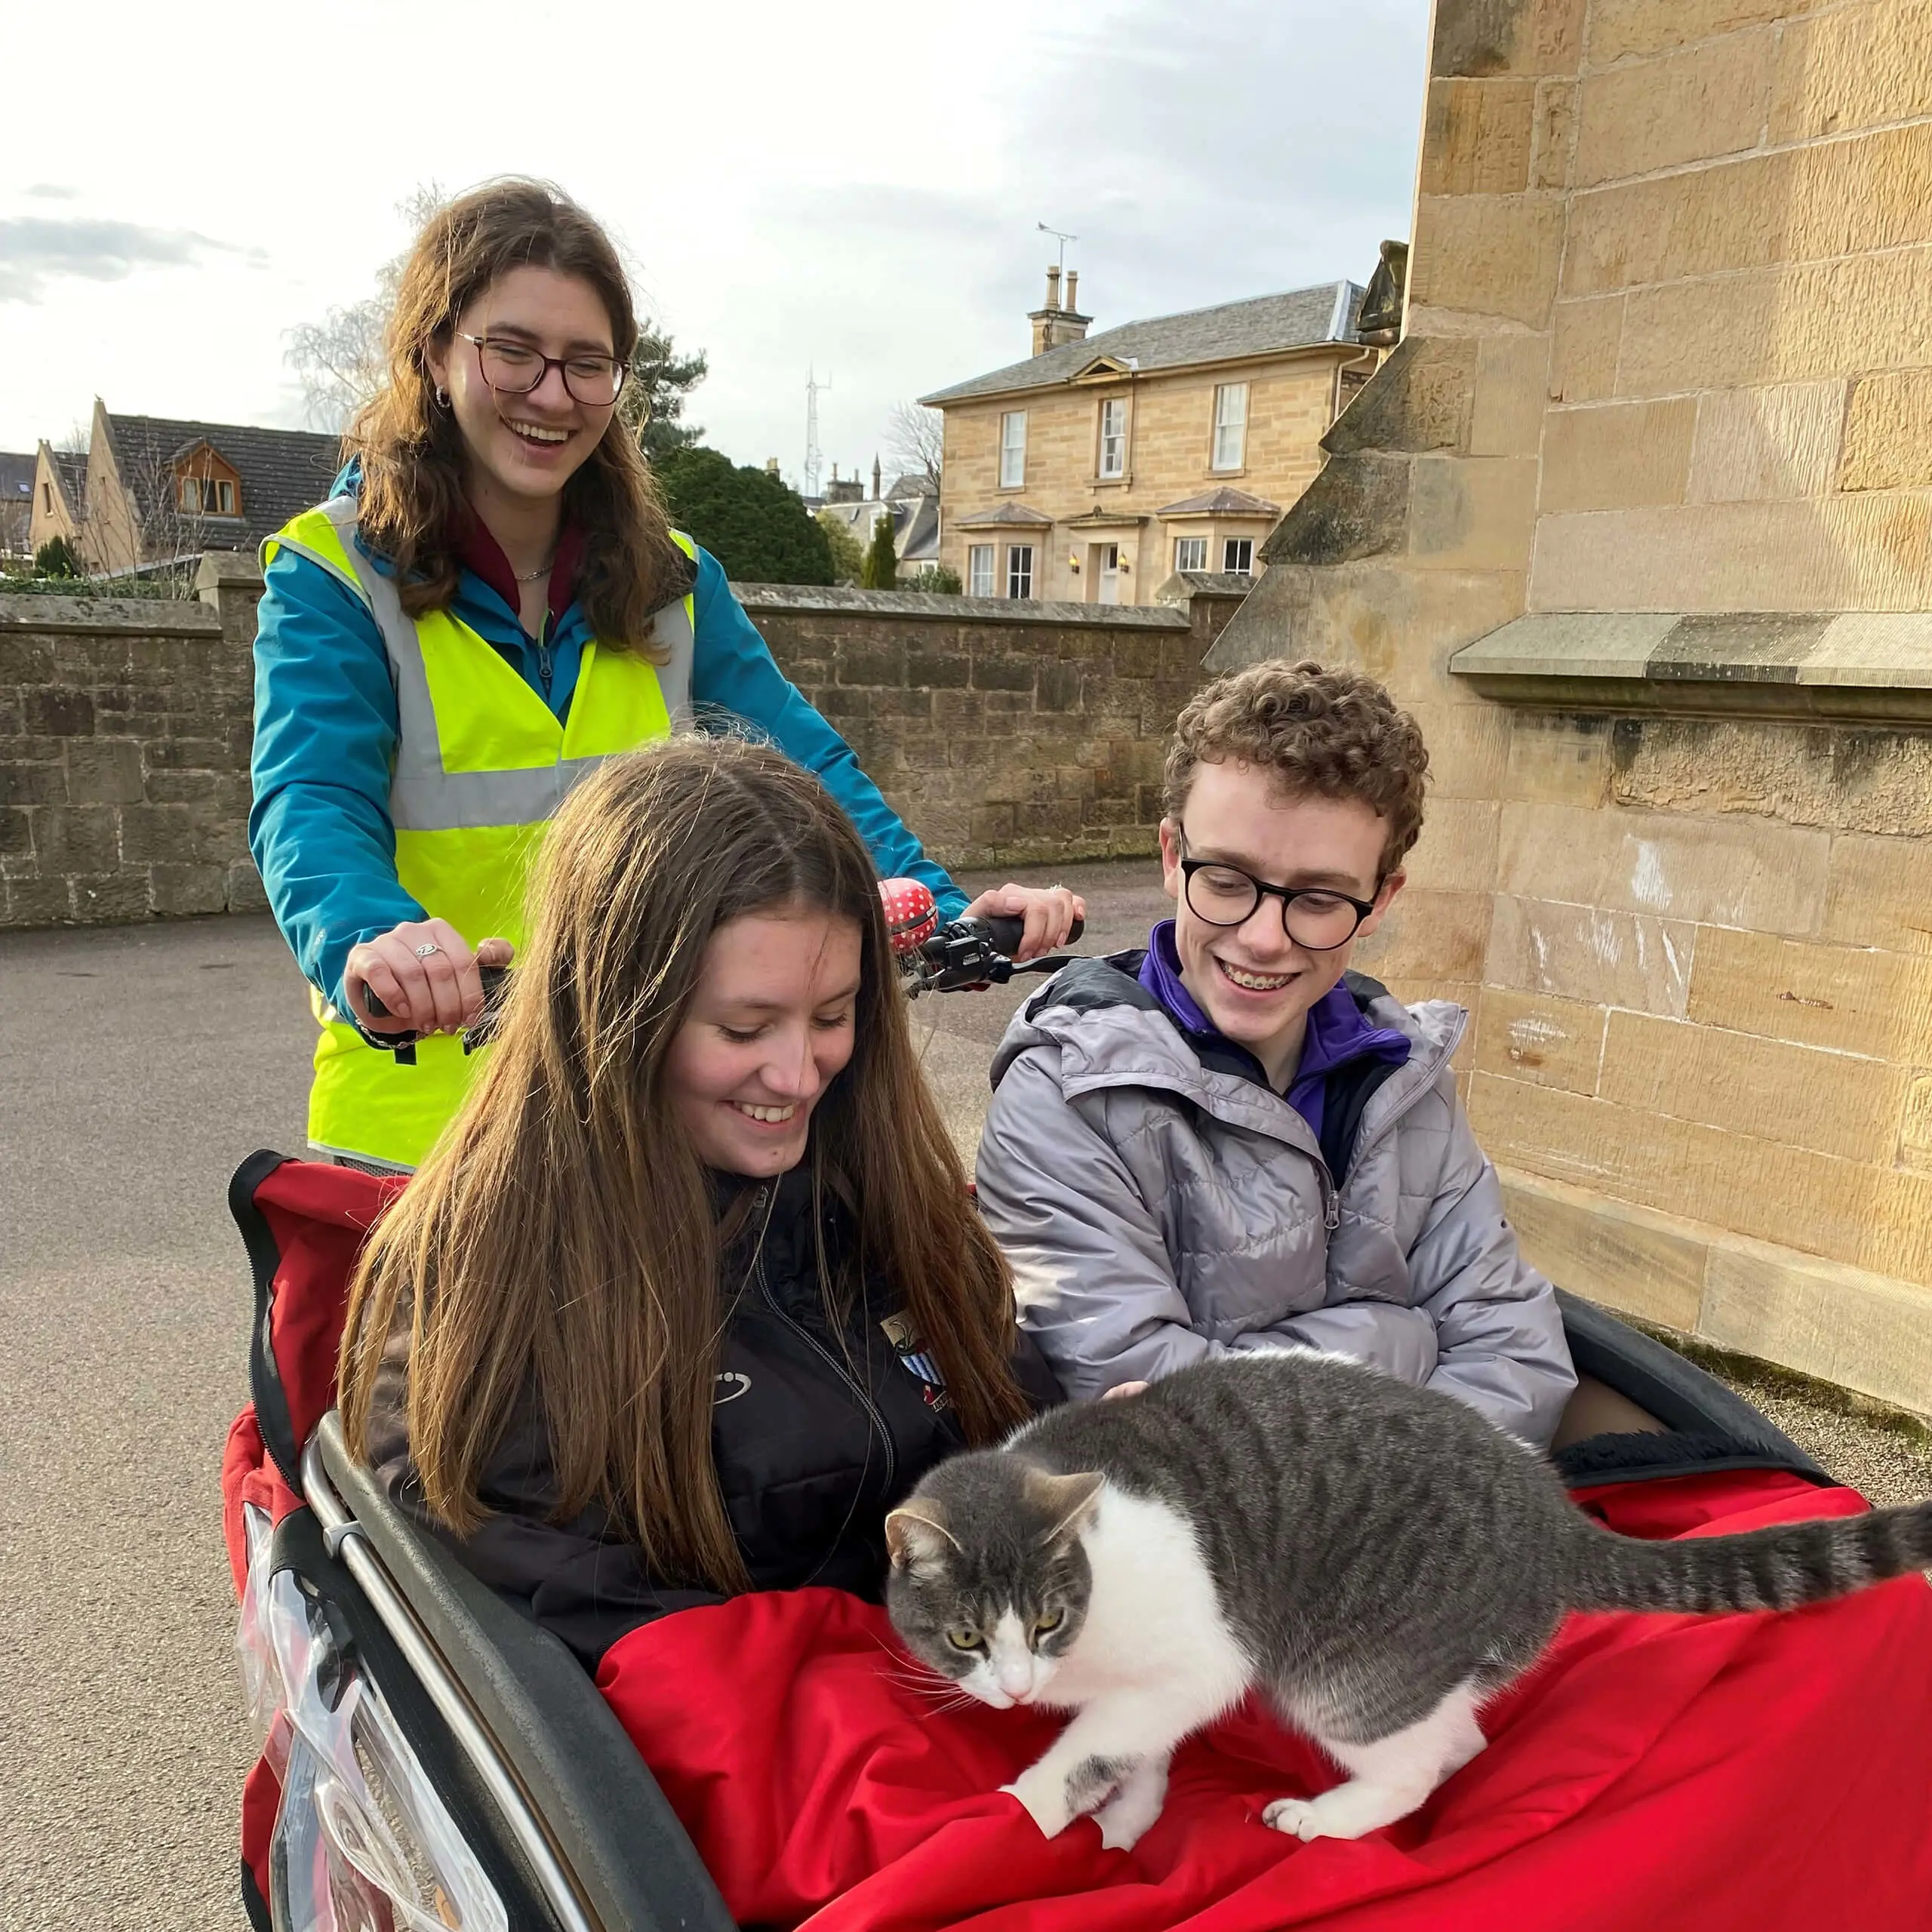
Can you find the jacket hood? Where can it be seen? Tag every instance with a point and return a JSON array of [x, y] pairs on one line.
[[1110, 1032]]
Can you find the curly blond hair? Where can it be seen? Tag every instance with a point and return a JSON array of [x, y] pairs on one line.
[[1317, 732]]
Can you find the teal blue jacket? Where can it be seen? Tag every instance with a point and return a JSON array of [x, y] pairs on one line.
[[325, 730]]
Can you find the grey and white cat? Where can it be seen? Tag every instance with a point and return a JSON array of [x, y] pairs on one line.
[[1376, 1557]]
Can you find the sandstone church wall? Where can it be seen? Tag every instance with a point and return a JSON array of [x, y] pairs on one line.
[[1637, 517]]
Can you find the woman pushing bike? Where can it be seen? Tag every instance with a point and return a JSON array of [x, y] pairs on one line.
[[490, 603]]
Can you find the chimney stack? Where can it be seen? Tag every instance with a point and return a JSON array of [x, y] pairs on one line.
[[1055, 324], [875, 488]]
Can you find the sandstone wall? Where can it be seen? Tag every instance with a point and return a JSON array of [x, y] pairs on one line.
[[124, 728], [1668, 352], [1001, 733]]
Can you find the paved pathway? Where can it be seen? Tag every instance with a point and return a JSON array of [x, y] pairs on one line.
[[138, 1067]]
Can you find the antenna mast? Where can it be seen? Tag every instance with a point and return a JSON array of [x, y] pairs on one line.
[[814, 457], [1062, 239]]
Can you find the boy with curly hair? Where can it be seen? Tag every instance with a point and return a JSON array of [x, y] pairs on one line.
[[1230, 1141]]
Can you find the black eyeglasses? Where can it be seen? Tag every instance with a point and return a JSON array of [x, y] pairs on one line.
[[514, 368], [1317, 919]]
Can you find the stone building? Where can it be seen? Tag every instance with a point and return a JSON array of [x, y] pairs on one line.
[[15, 503], [1637, 518], [151, 490], [910, 502], [1101, 466]]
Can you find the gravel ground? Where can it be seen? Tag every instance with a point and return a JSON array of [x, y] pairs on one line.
[[1883, 1454]]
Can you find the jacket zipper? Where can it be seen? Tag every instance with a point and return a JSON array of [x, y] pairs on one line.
[[543, 664], [838, 1368]]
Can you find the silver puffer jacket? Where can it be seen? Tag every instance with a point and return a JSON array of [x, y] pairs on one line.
[[1157, 1212]]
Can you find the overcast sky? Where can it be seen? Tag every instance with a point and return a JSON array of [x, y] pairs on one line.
[[853, 188]]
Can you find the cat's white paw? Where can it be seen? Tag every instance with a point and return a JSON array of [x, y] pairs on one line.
[[1045, 1797], [1126, 1817], [1350, 1810], [1294, 1816]]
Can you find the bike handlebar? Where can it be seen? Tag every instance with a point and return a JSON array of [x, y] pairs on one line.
[[965, 954]]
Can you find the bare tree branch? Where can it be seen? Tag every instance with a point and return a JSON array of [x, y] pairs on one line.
[[915, 441]]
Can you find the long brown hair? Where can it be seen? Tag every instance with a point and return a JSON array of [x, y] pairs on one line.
[[412, 451], [561, 1239]]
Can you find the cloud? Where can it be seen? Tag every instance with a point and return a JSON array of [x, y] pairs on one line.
[[33, 249], [52, 191]]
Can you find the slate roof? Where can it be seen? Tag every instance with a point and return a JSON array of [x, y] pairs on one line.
[[1303, 319], [16, 477], [1224, 502], [1022, 514], [914, 523], [282, 471]]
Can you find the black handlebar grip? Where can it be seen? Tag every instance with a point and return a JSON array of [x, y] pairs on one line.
[[493, 978], [1006, 932]]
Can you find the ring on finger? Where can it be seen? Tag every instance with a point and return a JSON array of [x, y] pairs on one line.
[[426, 948]]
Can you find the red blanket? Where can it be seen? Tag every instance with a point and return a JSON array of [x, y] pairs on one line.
[[1768, 1773]]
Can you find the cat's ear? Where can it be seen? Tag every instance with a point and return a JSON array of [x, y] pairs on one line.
[[916, 1536], [1069, 1503]]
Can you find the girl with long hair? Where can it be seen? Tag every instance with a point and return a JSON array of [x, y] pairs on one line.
[[492, 600], [693, 1289]]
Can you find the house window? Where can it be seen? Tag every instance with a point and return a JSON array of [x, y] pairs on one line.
[[46, 498], [226, 497], [191, 495], [1113, 437], [1019, 570], [1013, 449], [979, 570], [1190, 553], [1238, 556], [1230, 425]]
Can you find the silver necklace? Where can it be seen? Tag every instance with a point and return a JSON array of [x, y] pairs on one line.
[[542, 570]]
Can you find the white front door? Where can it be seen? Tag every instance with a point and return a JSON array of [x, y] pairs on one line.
[[1109, 572]]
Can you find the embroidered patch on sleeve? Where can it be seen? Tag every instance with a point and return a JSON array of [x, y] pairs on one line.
[[913, 1358]]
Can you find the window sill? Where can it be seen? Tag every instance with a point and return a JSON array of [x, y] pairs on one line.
[[1871, 667]]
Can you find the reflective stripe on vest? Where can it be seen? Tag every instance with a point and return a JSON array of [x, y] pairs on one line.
[[480, 764]]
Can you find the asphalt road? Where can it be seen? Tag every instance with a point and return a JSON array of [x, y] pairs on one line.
[[138, 1066]]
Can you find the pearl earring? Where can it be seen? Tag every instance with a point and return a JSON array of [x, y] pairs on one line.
[[442, 397]]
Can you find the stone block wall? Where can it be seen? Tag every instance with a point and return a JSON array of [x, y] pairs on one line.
[[1666, 352], [124, 728], [1004, 733]]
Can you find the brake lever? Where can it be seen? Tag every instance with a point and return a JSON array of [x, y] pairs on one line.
[[965, 954]]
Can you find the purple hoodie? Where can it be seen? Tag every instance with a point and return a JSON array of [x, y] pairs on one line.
[[1337, 1032]]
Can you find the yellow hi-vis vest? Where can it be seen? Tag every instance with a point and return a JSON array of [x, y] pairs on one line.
[[480, 764]]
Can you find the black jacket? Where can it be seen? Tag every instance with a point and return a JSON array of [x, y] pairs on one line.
[[816, 1435]]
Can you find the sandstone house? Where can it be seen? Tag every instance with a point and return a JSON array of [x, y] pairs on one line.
[[1101, 466], [150, 491]]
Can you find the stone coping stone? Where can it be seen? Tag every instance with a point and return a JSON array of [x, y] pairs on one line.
[[832, 599], [145, 617], [1863, 666]]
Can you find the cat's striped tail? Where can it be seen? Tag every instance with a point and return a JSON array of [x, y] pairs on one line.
[[1781, 1568]]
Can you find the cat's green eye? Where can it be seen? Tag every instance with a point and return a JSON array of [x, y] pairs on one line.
[[965, 1638], [1049, 1620]]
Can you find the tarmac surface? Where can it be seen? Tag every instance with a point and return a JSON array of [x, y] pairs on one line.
[[138, 1066]]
